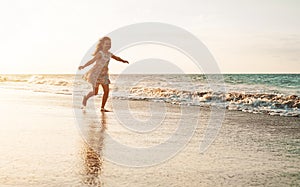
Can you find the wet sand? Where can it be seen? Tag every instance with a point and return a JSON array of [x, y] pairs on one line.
[[42, 145]]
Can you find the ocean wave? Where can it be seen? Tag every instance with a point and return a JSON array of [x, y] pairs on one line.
[[38, 79], [12, 79], [3, 79], [272, 104]]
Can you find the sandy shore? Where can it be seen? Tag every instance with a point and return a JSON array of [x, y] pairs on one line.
[[42, 145]]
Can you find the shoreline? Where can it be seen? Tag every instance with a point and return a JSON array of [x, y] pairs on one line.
[[272, 104]]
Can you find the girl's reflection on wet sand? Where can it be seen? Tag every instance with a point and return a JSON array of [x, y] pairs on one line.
[[92, 152]]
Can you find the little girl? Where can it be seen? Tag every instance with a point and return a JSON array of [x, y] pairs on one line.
[[98, 74]]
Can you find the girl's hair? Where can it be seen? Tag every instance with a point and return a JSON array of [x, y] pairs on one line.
[[99, 46]]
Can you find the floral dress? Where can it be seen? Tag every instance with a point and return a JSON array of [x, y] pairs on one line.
[[98, 74]]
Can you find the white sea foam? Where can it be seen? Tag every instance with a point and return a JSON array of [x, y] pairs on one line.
[[273, 104]]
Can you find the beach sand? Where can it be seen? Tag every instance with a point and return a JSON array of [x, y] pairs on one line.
[[43, 145]]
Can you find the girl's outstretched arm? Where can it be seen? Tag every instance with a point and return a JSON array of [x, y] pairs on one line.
[[119, 59], [98, 55]]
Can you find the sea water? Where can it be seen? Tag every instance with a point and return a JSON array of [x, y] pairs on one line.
[[271, 94]]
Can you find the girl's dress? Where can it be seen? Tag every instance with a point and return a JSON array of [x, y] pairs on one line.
[[98, 74]]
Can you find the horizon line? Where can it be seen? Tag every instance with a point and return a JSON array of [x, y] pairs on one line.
[[223, 73]]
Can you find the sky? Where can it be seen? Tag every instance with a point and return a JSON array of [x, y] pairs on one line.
[[244, 36]]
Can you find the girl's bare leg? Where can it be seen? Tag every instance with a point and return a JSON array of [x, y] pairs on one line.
[[90, 94], [105, 94]]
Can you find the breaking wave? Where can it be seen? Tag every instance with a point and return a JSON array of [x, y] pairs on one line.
[[272, 104]]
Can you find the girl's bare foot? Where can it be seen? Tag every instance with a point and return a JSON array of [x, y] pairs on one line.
[[104, 110]]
